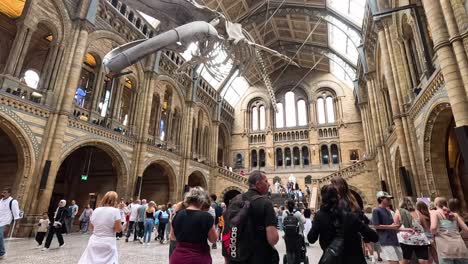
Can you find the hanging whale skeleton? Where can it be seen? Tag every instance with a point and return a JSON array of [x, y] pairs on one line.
[[187, 22]]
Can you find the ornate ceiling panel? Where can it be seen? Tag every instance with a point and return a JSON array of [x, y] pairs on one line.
[[284, 26]]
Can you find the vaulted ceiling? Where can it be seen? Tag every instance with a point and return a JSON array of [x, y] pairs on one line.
[[296, 28]]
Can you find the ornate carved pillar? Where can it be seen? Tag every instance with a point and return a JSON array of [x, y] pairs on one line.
[[20, 48]]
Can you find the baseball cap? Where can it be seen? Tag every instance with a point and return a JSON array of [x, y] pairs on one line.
[[382, 194]]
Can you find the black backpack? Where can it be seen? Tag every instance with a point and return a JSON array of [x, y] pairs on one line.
[[239, 229], [333, 254], [291, 231]]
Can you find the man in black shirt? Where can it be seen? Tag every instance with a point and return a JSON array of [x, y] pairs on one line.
[[264, 219]]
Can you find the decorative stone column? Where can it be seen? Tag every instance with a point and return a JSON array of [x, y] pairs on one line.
[[55, 143], [20, 48]]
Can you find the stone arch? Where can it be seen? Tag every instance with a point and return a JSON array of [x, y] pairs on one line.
[[170, 173], [176, 87], [330, 85], [26, 148], [436, 125], [197, 178], [245, 102], [112, 149]]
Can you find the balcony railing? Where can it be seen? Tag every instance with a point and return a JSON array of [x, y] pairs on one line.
[[233, 176], [257, 138], [21, 90]]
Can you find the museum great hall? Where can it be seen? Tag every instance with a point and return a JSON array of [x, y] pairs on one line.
[[373, 91]]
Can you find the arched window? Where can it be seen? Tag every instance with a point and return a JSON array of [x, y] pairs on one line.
[[296, 156], [325, 157], [321, 111], [279, 157], [334, 154], [126, 102], [287, 154], [31, 78], [330, 110], [254, 158], [262, 118], [305, 156], [85, 90], [254, 118], [262, 157], [279, 116], [238, 160], [308, 179], [301, 112], [290, 110]]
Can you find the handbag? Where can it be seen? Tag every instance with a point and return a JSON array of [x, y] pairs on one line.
[[333, 254], [57, 224]]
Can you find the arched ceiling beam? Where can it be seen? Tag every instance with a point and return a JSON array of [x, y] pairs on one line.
[[303, 10], [318, 48]]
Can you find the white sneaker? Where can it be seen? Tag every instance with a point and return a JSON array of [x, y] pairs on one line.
[[39, 246], [44, 249], [61, 246], [118, 238]]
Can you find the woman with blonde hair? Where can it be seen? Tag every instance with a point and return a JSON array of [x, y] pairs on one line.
[[105, 223], [192, 227], [446, 226]]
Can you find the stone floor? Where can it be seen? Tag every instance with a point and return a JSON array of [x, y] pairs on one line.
[[23, 251]]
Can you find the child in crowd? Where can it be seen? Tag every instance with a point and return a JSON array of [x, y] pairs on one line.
[[43, 225]]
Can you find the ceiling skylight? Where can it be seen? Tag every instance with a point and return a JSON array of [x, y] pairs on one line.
[[353, 10]]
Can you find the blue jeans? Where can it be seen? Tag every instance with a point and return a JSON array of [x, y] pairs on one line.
[[149, 225], [2, 244]]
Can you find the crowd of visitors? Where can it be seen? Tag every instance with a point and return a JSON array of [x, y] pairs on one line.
[[248, 225]]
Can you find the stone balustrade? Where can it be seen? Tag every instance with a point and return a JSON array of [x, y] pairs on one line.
[[346, 173], [21, 90], [23, 105], [100, 131], [132, 16], [291, 134], [163, 145], [233, 176]]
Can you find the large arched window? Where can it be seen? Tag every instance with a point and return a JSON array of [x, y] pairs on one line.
[[326, 108], [262, 118], [279, 157], [290, 109], [301, 113], [85, 91], [279, 116], [334, 154], [296, 156], [254, 118], [125, 108], [325, 156], [330, 110], [287, 156], [262, 157], [308, 179], [238, 160], [257, 116], [254, 158], [321, 111], [305, 156]]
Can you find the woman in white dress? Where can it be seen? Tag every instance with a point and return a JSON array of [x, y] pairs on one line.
[[105, 223]]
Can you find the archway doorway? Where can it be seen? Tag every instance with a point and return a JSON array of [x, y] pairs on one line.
[[85, 176], [9, 161], [156, 184], [229, 195], [447, 162], [196, 178]]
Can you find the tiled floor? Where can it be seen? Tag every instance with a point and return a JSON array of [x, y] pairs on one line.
[[23, 251]]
